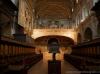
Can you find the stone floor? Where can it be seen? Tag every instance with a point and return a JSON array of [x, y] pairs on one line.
[[42, 67]]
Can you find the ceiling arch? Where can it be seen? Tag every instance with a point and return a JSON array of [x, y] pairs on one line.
[[65, 41], [42, 5], [53, 11], [54, 8]]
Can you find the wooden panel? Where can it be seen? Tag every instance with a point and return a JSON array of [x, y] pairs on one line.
[[1, 50], [98, 50], [6, 50], [10, 50]]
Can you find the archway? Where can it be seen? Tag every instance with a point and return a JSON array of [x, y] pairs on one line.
[[64, 42], [88, 34]]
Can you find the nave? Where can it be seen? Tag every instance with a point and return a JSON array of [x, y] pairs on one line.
[[27, 26]]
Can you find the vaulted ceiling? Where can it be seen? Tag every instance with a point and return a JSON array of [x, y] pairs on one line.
[[53, 8]]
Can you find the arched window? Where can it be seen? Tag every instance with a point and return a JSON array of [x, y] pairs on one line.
[[88, 34], [94, 1], [15, 2]]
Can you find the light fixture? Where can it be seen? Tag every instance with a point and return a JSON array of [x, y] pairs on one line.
[[72, 9], [82, 20], [33, 10], [77, 1]]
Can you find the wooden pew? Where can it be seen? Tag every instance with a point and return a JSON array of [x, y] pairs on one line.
[[85, 56]]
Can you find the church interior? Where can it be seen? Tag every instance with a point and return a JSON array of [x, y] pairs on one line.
[[49, 36]]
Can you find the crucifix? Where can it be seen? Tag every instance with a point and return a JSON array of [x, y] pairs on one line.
[[53, 47]]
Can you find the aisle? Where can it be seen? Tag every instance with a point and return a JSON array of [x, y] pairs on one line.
[[42, 68], [39, 68]]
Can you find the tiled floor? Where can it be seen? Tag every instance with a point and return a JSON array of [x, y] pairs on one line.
[[42, 68]]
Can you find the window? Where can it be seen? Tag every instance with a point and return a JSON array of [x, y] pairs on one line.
[[15, 2], [94, 1]]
